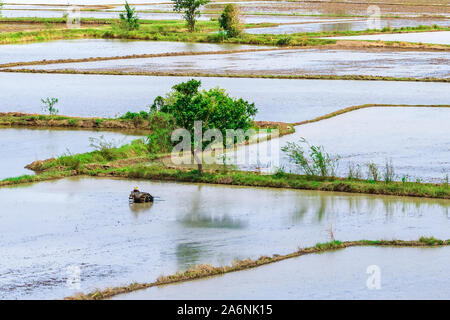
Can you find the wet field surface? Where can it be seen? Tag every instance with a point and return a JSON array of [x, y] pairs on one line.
[[276, 99], [87, 48], [405, 273], [347, 25], [374, 62], [415, 139], [438, 37], [85, 222], [41, 144]]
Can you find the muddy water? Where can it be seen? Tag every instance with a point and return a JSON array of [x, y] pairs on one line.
[[284, 62], [440, 37], [406, 273], [415, 139], [20, 147], [346, 25], [49, 226], [276, 100], [86, 48]]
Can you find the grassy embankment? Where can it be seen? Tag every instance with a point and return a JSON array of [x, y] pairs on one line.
[[175, 30], [126, 162], [206, 270], [134, 161]]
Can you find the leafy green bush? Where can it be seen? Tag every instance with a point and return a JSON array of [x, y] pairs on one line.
[[284, 41], [129, 19], [314, 163], [229, 20]]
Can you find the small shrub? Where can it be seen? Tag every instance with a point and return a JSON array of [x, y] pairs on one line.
[[104, 147], [284, 41], [49, 105], [128, 18], [316, 163]]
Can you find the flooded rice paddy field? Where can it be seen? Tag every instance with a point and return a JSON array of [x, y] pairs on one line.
[[276, 99], [437, 37], [88, 48], [406, 273], [374, 62], [86, 222], [417, 140], [347, 25], [40, 144]]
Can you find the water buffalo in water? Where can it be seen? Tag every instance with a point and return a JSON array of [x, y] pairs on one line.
[[140, 197]]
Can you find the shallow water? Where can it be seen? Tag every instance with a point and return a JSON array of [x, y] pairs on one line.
[[276, 100], [406, 273], [20, 147], [438, 37], [284, 62], [86, 222], [417, 140], [86, 48], [355, 25]]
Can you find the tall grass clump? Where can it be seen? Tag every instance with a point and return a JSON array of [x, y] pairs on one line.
[[373, 173], [104, 147], [389, 172], [354, 171], [312, 160]]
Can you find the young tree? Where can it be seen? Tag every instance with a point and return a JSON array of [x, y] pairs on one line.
[[229, 20], [214, 108], [129, 18], [49, 105], [190, 9]]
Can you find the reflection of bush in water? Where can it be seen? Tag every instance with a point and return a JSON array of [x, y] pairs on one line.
[[209, 221], [328, 207]]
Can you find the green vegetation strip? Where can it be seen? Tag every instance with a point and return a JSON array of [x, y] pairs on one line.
[[206, 31], [138, 164], [206, 270]]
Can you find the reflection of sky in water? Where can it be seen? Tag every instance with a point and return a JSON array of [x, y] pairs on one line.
[[89, 222], [405, 273], [415, 139]]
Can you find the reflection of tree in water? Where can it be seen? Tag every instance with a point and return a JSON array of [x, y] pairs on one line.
[[337, 26], [326, 207], [198, 219], [211, 221], [138, 208]]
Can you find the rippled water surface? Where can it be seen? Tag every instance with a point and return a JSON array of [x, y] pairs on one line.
[[276, 100], [348, 24], [87, 48], [440, 37], [285, 62], [86, 222], [406, 273]]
